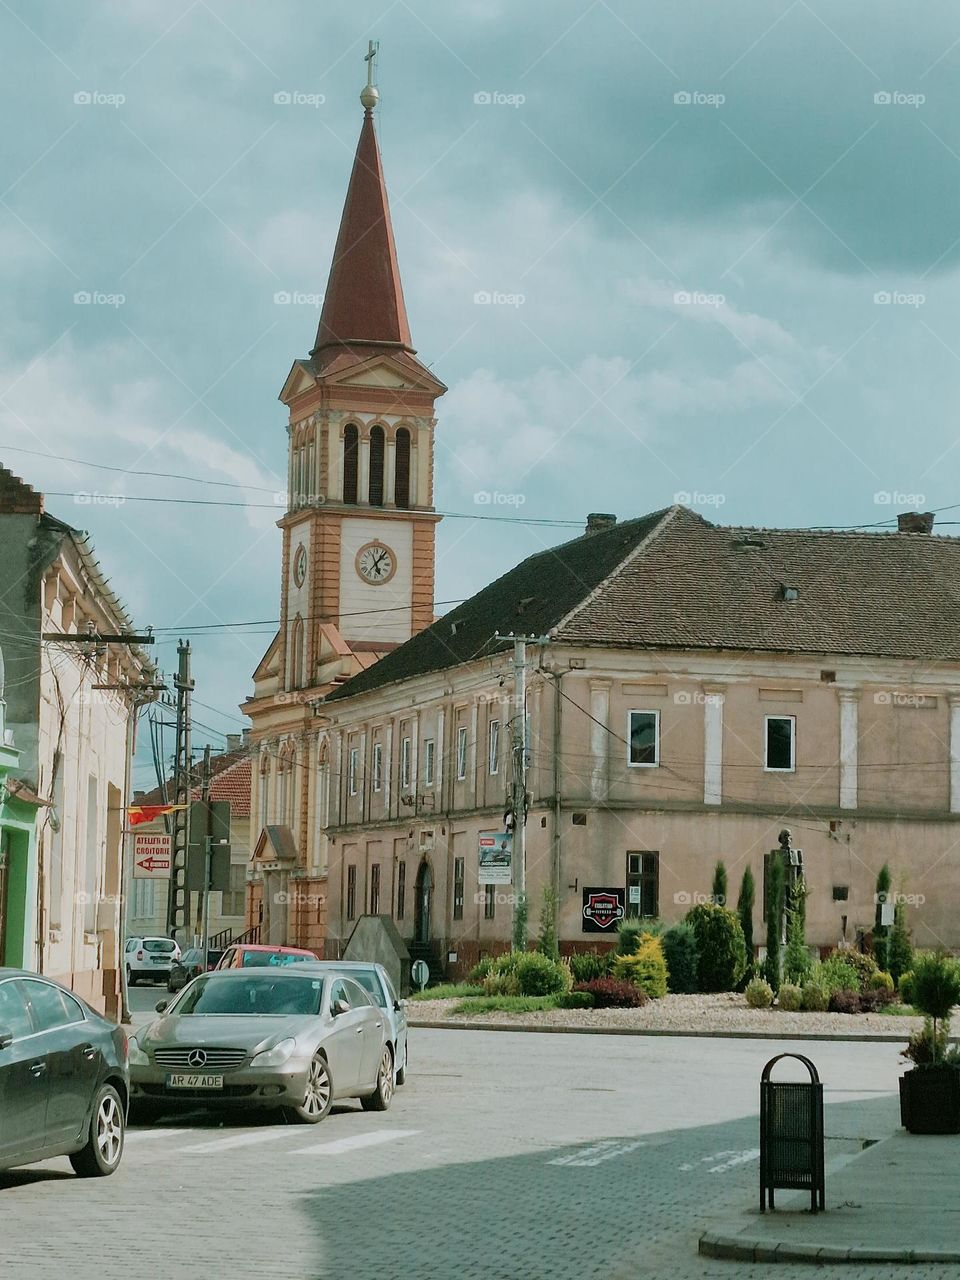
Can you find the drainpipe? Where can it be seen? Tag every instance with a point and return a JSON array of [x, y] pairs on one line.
[[556, 677]]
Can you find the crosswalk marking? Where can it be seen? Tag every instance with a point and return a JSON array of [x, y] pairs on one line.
[[587, 1157], [237, 1140], [342, 1145]]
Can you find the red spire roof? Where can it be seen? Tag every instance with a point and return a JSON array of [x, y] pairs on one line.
[[364, 298]]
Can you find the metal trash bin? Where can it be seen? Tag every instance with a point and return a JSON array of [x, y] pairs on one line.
[[791, 1135]]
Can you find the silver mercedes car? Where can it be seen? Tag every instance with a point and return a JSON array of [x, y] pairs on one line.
[[277, 1038]]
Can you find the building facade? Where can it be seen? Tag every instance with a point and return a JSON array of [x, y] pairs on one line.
[[70, 706], [357, 568], [698, 690], [18, 835]]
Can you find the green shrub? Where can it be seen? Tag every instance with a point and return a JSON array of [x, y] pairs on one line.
[[899, 947], [646, 968], [538, 975], [880, 981], [905, 987], [759, 994], [507, 962], [628, 935], [837, 974], [608, 993], [501, 984], [480, 971], [575, 1000], [587, 965], [797, 961], [790, 997], [844, 1002], [547, 942], [880, 930], [775, 905], [719, 891], [929, 1046], [865, 965], [679, 944], [936, 992], [721, 952], [745, 911], [816, 997]]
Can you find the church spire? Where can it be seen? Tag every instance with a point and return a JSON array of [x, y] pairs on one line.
[[363, 304]]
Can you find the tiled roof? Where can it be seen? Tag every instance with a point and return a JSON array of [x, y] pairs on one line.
[[674, 580], [230, 780]]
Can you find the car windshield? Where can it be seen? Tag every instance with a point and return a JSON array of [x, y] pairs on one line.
[[223, 994], [258, 959], [159, 944]]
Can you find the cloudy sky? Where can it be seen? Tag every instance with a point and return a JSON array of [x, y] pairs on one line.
[[720, 245]]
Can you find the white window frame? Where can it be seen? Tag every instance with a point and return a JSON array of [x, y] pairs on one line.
[[353, 762], [767, 768], [429, 761], [405, 763], [493, 747], [643, 764], [461, 752], [377, 768]]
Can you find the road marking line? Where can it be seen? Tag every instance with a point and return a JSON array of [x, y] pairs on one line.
[[587, 1157], [137, 1135], [341, 1146], [237, 1140], [743, 1158]]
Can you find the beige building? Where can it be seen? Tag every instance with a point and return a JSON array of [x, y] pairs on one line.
[[698, 689], [70, 705]]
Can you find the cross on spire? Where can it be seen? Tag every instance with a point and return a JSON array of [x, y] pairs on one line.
[[370, 95]]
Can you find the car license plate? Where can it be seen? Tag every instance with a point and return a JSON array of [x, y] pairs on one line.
[[194, 1082], [161, 959]]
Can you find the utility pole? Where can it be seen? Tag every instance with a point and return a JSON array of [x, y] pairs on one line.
[[182, 782], [519, 802], [201, 930]]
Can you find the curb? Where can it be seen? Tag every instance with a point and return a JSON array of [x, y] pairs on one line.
[[743, 1249], [448, 1024]]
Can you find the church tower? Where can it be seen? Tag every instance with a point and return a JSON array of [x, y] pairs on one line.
[[357, 570]]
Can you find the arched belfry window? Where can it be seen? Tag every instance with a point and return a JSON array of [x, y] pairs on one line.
[[402, 486], [296, 665], [351, 460], [377, 450]]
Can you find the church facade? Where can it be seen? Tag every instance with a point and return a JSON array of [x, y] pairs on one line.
[[357, 569]]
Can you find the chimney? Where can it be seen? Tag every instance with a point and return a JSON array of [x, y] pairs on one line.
[[234, 741], [598, 520], [16, 497], [915, 522]]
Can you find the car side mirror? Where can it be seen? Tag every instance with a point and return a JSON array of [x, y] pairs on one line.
[[161, 1005], [6, 1038], [340, 1006], [398, 1005]]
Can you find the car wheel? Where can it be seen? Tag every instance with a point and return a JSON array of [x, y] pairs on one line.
[[131, 980], [379, 1100], [104, 1146], [143, 1112], [319, 1095]]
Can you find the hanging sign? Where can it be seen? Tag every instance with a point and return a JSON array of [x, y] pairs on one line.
[[151, 855], [495, 857], [602, 910]]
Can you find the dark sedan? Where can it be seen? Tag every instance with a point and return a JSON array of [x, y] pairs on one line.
[[187, 967], [64, 1078]]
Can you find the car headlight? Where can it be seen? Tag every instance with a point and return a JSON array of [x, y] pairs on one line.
[[275, 1056], [137, 1056]]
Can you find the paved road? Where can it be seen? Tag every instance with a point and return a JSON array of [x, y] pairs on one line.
[[505, 1157]]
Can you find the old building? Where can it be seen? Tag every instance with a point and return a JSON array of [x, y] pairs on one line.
[[230, 773], [698, 688], [357, 572], [70, 708]]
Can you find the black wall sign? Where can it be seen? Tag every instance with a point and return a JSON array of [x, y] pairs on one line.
[[603, 909]]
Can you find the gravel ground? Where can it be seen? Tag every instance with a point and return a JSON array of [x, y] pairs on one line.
[[727, 1011]]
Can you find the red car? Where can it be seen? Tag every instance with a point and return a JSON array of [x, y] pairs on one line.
[[249, 956]]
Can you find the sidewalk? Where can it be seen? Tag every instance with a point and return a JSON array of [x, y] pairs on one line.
[[895, 1202]]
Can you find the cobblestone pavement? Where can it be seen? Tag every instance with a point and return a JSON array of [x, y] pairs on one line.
[[505, 1157]]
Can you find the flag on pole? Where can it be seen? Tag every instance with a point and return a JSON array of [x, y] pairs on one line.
[[137, 813]]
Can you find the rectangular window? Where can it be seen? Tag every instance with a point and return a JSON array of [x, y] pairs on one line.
[[643, 884], [378, 766], [489, 901], [92, 858], [142, 898], [461, 753], [429, 758], [779, 755], [458, 888], [493, 746], [352, 771], [375, 889], [235, 897], [643, 732], [351, 892], [401, 888], [404, 764]]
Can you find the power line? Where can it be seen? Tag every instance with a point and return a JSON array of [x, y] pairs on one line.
[[133, 471]]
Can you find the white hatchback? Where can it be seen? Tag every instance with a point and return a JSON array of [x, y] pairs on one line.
[[150, 959]]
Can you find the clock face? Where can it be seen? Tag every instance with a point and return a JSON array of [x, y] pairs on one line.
[[300, 566], [376, 563]]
